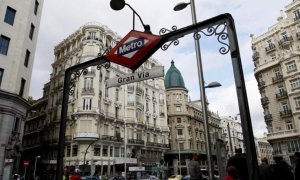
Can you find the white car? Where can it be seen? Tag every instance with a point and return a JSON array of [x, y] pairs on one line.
[[149, 177]]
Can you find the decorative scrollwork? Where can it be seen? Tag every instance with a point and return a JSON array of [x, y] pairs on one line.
[[164, 30], [220, 32], [104, 52], [74, 77], [106, 65], [167, 45]]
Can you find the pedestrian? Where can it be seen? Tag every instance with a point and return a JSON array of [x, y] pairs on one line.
[[239, 161], [281, 170], [232, 173], [297, 165], [265, 172], [194, 168], [75, 175]]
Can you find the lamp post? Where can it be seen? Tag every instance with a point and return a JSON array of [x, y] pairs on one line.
[[35, 165], [179, 7], [179, 158], [120, 4], [125, 148]]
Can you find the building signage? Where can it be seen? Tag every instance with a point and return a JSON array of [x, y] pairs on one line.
[[26, 163], [133, 49], [157, 71], [137, 168]]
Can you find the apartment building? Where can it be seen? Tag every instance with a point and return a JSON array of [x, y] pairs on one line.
[[233, 134], [19, 27], [110, 128], [264, 149], [186, 125], [277, 63]]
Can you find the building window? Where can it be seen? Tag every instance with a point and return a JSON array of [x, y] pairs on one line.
[[4, 43], [295, 83], [291, 66], [27, 56], [97, 150], [1, 75], [88, 83], [179, 132], [10, 15], [92, 35], [178, 120], [105, 151], [178, 108], [75, 150], [297, 15], [285, 106], [23, 82], [130, 99], [87, 103], [31, 31], [289, 125], [117, 94], [36, 7], [117, 152], [297, 101], [181, 147], [68, 151]]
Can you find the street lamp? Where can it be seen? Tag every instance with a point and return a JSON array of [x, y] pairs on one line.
[[125, 144], [120, 4], [35, 165], [179, 7]]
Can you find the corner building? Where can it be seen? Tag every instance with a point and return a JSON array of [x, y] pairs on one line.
[[186, 125], [19, 25], [277, 64], [101, 120]]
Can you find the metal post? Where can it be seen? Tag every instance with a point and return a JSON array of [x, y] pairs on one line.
[[35, 165], [179, 158], [203, 98], [125, 144]]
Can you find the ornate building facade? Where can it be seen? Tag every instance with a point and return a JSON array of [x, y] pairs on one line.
[[18, 36], [276, 59], [107, 127], [186, 125]]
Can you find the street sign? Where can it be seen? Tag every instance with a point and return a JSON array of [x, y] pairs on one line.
[[136, 168], [26, 163], [157, 71], [133, 48]]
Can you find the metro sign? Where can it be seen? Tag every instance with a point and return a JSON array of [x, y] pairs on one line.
[[134, 49]]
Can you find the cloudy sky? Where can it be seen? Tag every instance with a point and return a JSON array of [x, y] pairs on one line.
[[60, 18]]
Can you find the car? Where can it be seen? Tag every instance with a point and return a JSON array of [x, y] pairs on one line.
[[175, 177], [89, 178], [187, 177], [118, 177], [149, 177]]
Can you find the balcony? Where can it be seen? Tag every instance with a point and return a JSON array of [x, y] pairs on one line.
[[281, 95], [286, 113], [277, 78], [85, 135], [136, 142], [88, 91], [271, 47], [111, 138], [153, 144], [283, 134], [285, 41], [264, 100], [268, 117], [255, 56]]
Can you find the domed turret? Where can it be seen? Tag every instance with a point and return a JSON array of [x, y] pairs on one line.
[[173, 78]]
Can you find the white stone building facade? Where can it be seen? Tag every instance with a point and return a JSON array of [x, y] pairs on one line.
[[101, 119], [277, 62]]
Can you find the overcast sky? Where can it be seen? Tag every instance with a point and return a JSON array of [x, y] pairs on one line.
[[60, 18]]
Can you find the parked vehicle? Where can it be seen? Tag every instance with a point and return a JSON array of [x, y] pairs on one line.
[[89, 178], [117, 178], [149, 177], [175, 177]]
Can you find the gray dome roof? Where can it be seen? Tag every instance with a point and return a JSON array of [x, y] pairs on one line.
[[173, 78]]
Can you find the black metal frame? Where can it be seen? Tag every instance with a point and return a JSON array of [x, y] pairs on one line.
[[221, 26]]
